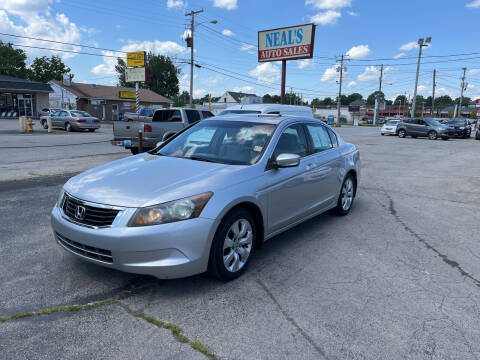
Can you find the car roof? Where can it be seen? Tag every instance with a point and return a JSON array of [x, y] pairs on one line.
[[261, 118], [261, 107]]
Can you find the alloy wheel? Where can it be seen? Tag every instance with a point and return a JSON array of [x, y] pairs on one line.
[[237, 245], [347, 194]]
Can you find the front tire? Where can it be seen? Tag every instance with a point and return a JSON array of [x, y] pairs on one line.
[[232, 246], [68, 127], [92, 130], [134, 151], [432, 135], [402, 133], [347, 195]]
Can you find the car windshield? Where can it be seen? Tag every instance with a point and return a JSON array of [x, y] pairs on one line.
[[226, 142], [77, 113], [393, 122], [229, 112], [433, 122]]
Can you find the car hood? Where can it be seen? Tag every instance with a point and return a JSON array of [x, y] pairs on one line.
[[145, 180]]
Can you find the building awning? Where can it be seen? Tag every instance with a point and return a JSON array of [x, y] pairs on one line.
[[11, 84]]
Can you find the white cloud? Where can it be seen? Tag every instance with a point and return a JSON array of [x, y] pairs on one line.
[[371, 73], [266, 72], [409, 46], [329, 17], [358, 52], [39, 24], [352, 13], [305, 63], [474, 72], [470, 87], [176, 4], [211, 81], [249, 48], [352, 84], [328, 4], [198, 93], [156, 47], [331, 74], [226, 4], [244, 89], [473, 4], [400, 55], [227, 32], [422, 89]]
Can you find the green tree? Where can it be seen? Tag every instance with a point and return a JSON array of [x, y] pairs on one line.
[[371, 97], [327, 101], [13, 61], [400, 99], [443, 101], [120, 69], [44, 69], [353, 97], [182, 99], [473, 115], [267, 99], [465, 101], [316, 102]]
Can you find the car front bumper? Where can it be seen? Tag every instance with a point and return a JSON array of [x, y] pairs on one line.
[[388, 131], [165, 251]]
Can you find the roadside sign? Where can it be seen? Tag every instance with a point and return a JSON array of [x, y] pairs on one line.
[[290, 43], [136, 58], [135, 74], [127, 95]]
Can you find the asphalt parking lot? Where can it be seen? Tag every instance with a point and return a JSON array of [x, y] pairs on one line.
[[398, 278]]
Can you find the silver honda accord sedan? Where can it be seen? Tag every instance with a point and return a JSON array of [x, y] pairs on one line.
[[207, 198]]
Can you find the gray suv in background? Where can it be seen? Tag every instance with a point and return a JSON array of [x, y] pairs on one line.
[[424, 128]]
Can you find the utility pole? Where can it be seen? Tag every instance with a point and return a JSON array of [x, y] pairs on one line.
[[433, 92], [190, 44], [421, 44], [461, 93], [339, 91], [378, 95]]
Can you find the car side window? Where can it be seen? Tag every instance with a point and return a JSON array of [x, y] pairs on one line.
[[192, 116], [174, 116], [333, 138], [320, 138], [63, 114], [292, 141], [206, 114]]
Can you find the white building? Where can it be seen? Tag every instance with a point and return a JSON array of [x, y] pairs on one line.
[[61, 98], [235, 98]]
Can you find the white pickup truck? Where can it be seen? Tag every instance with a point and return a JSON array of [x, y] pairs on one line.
[[165, 123]]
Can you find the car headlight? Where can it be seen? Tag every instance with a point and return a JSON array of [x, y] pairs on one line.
[[462, 128], [172, 211], [60, 198]]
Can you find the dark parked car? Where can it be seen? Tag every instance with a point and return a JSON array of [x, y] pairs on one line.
[[462, 127], [477, 134], [424, 128]]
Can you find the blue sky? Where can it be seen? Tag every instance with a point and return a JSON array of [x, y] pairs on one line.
[[371, 32]]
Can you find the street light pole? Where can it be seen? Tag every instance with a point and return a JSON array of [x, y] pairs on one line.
[[421, 44], [190, 44]]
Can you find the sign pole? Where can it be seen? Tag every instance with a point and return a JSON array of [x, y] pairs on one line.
[[137, 98], [284, 75]]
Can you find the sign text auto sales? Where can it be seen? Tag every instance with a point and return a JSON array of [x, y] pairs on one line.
[[290, 43]]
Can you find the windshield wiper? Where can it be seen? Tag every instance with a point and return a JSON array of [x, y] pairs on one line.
[[199, 158]]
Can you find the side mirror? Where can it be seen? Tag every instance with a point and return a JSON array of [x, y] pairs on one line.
[[286, 160], [167, 136]]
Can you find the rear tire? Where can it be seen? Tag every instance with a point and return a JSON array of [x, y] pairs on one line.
[[134, 151], [68, 127], [432, 135], [233, 245], [346, 197], [445, 138], [44, 124], [402, 133], [92, 130]]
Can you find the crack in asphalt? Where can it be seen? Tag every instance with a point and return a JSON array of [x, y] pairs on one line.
[[291, 320], [176, 330], [444, 257]]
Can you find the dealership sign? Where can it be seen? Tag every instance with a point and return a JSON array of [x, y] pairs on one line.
[[136, 74], [288, 43]]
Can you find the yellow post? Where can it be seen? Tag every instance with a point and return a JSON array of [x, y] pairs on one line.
[[22, 124], [49, 123], [30, 125]]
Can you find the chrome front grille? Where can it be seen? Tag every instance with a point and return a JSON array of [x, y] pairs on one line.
[[90, 215], [85, 250]]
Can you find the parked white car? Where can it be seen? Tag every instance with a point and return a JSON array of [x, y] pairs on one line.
[[278, 109], [390, 127]]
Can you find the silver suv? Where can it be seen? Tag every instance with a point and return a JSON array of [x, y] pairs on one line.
[[424, 128]]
